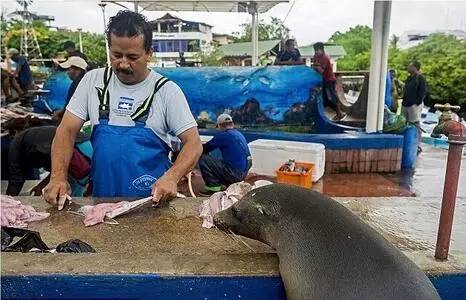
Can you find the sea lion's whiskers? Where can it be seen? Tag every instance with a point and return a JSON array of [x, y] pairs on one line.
[[239, 239], [223, 229]]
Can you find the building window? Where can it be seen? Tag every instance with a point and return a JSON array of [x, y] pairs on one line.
[[163, 46]]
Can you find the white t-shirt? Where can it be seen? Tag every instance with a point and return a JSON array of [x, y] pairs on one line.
[[169, 114]]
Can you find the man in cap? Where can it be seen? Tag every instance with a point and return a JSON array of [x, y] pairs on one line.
[[76, 67], [236, 158]]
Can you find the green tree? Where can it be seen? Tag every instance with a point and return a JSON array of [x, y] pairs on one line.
[[275, 30], [357, 44], [51, 41], [212, 57], [443, 60]]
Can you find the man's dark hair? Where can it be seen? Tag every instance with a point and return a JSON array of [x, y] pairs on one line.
[[69, 44], [319, 46], [127, 23], [416, 64], [289, 42]]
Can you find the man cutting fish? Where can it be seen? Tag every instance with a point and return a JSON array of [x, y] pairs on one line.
[[132, 110]]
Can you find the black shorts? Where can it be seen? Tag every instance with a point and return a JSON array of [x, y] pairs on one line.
[[330, 95]]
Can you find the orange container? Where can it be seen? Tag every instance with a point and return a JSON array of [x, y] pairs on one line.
[[303, 180]]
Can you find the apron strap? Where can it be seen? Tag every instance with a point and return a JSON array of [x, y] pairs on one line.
[[104, 95], [144, 109]]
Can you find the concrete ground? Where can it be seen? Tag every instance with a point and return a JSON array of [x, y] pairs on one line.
[[171, 241]]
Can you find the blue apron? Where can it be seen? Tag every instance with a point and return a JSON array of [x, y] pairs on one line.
[[127, 160]]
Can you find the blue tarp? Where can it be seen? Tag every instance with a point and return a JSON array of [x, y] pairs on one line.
[[253, 95], [57, 85]]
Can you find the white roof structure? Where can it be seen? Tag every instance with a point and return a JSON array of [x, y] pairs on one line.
[[207, 5]]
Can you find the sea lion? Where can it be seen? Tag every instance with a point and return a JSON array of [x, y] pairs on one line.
[[325, 251]]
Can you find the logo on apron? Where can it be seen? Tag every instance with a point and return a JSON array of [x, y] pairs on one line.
[[144, 182]]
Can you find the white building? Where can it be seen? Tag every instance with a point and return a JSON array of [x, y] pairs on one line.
[[223, 39], [172, 35], [413, 38]]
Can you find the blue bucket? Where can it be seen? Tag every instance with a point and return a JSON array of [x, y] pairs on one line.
[[410, 144]]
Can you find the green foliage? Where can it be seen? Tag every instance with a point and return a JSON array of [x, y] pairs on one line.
[[50, 41], [357, 44], [213, 57], [275, 30], [443, 60]]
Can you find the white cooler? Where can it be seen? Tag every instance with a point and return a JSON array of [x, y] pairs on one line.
[[206, 138], [269, 155]]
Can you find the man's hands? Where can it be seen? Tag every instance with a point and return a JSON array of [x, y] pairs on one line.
[[166, 186], [164, 189], [58, 189], [57, 192]]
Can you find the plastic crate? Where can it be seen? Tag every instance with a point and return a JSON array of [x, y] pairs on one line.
[[267, 155], [294, 178]]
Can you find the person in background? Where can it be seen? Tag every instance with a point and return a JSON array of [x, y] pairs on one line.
[[6, 82], [323, 65], [70, 48], [413, 97], [236, 158], [31, 149], [396, 89], [182, 61], [22, 73], [290, 55], [75, 67]]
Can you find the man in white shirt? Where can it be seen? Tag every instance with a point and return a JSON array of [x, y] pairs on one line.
[[133, 111]]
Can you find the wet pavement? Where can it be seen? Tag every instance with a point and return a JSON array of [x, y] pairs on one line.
[[426, 180]]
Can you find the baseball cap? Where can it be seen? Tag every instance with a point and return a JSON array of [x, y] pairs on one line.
[[224, 118], [12, 51], [75, 61]]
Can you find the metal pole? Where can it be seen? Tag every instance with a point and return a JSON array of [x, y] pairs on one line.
[[80, 40], [102, 6], [375, 68], [252, 9], [450, 189], [255, 38], [25, 16], [136, 7], [387, 6]]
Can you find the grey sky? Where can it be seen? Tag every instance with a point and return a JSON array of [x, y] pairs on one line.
[[309, 20]]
